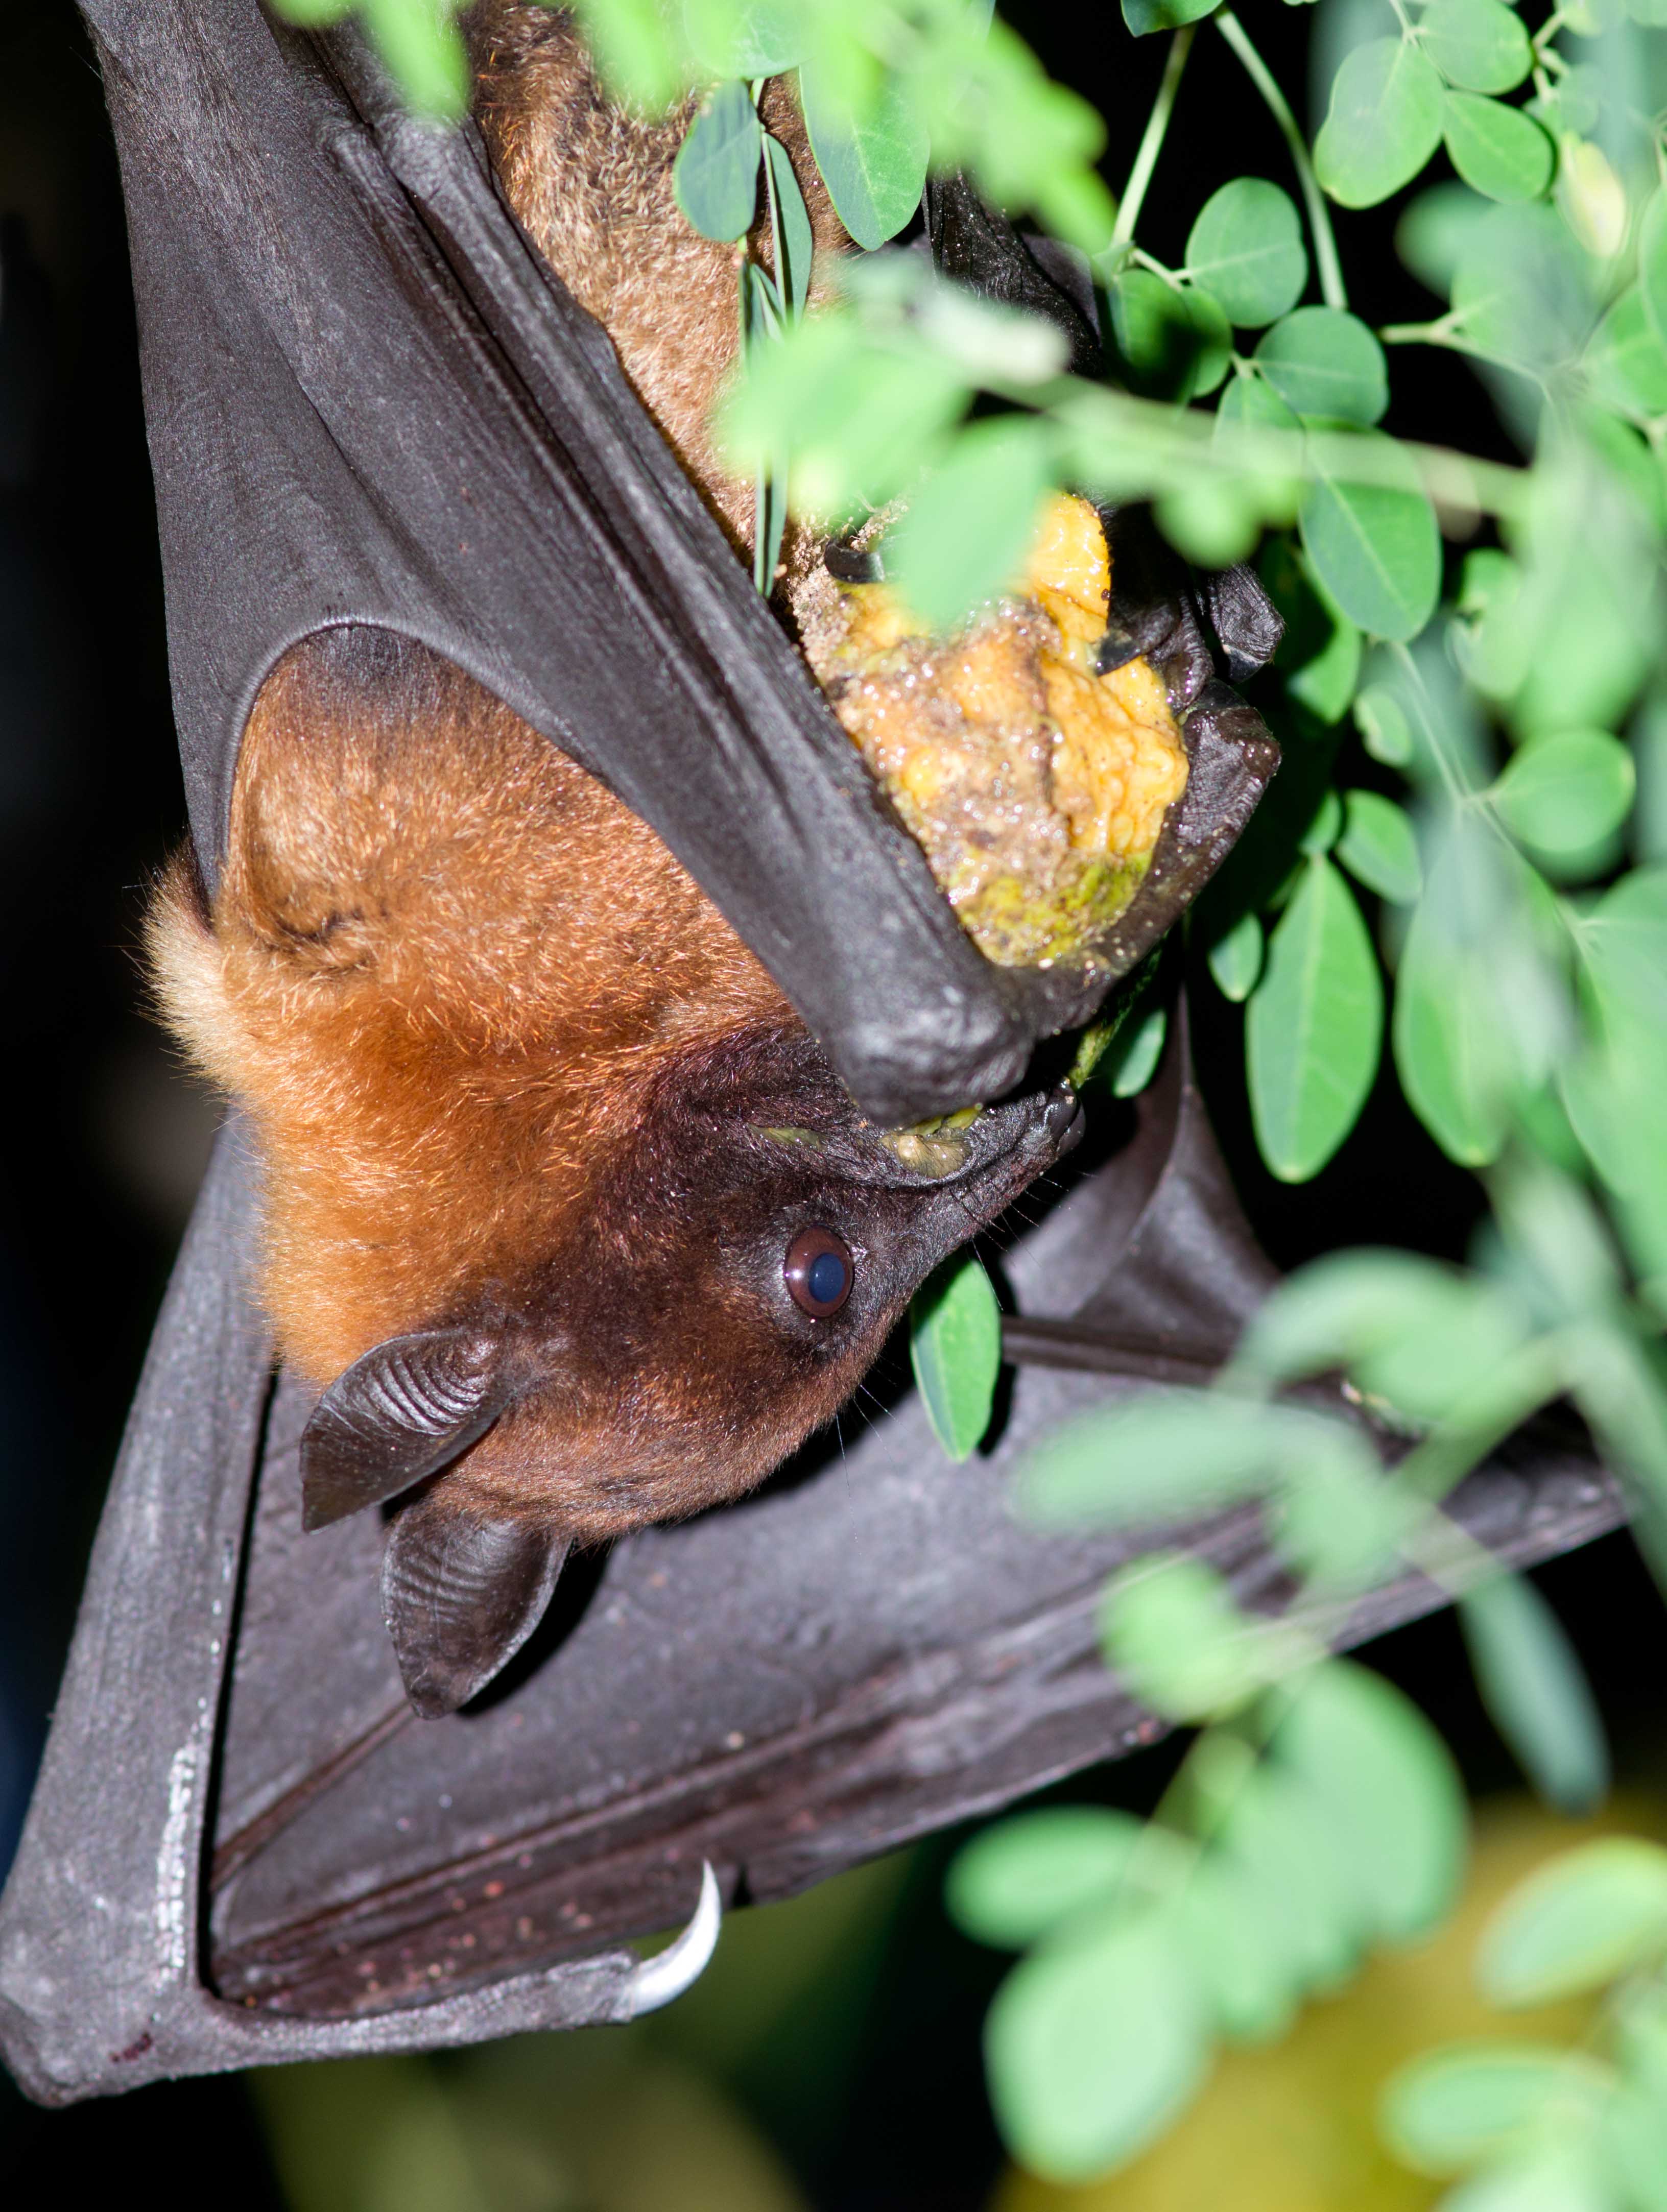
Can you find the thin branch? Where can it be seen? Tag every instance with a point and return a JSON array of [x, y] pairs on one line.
[[1319, 218]]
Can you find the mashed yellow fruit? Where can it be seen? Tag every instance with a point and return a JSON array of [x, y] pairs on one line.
[[1035, 786]]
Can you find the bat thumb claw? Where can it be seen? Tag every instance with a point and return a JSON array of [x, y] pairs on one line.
[[681, 1963]]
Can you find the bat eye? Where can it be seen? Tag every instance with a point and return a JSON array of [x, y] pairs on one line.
[[820, 1271]]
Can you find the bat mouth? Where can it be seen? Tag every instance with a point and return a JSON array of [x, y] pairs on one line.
[[1010, 1142]]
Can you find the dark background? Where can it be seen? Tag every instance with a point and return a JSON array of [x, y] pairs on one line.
[[876, 2098]]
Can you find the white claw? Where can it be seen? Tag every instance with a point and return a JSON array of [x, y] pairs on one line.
[[680, 1964]]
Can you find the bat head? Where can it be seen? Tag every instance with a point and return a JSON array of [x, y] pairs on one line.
[[751, 1243]]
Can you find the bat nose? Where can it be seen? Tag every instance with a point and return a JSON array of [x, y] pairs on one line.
[[1063, 1119]]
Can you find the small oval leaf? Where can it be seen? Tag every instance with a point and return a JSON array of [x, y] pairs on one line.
[[1094, 2045], [1378, 846], [1246, 249], [1450, 2110], [1536, 1689], [1173, 342], [716, 175], [1010, 1885], [1577, 1922], [1500, 151], [1315, 1027], [1383, 124], [1477, 44], [1324, 362], [1236, 959], [955, 1349], [873, 160], [1562, 794], [1377, 551]]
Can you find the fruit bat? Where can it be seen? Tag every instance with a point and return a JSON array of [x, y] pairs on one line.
[[376, 414], [568, 1214]]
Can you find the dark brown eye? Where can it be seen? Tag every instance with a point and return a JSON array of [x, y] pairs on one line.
[[820, 1271]]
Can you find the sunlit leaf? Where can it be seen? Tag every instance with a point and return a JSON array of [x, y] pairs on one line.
[[1314, 1028], [1503, 153], [955, 1348], [1094, 2045], [1382, 722], [1383, 124], [1561, 794], [1272, 1827], [1390, 1793], [873, 159], [1453, 2109], [1246, 249], [1578, 1922], [1328, 364], [1536, 1689], [1478, 44], [1014, 1882], [1592, 199], [1378, 846], [1240, 1953]]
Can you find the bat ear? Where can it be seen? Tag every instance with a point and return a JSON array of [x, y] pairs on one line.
[[404, 1411], [461, 1594]]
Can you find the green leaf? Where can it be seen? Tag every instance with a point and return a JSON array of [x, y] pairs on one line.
[[1269, 1827], [1562, 794], [1558, 2176], [1579, 1921], [1384, 730], [1173, 344], [1169, 1629], [1012, 1884], [1503, 153], [793, 216], [1324, 826], [747, 38], [1379, 847], [955, 1349], [1246, 249], [1169, 1455], [1253, 400], [873, 160], [1477, 44], [1534, 1687], [1450, 2110], [1382, 124], [1240, 1952], [1236, 959], [967, 530], [716, 175], [1326, 683], [1131, 1060], [1525, 288], [1652, 265], [1324, 362], [1431, 236], [1339, 1526], [1210, 520], [1145, 16], [1377, 550], [1626, 362], [1446, 1051], [1390, 1794], [637, 51], [1364, 1306], [1094, 2044], [1315, 1027]]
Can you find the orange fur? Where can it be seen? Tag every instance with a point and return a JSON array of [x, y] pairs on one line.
[[441, 962]]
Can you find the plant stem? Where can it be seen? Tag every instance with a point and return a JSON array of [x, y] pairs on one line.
[[1146, 158], [1319, 219]]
